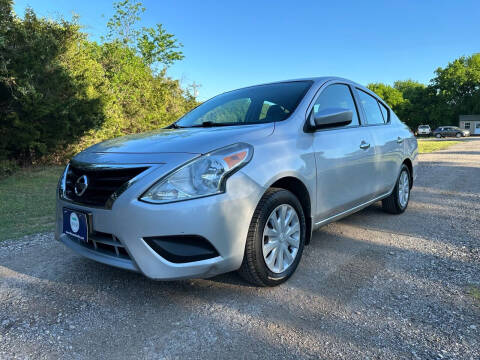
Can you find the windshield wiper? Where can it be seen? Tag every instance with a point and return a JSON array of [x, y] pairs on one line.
[[174, 126], [213, 124]]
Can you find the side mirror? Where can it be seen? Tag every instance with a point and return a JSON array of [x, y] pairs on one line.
[[332, 117]]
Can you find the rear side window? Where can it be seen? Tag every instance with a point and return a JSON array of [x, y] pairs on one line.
[[384, 111], [336, 96], [371, 107]]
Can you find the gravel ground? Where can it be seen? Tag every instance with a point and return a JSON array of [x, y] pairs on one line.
[[370, 286]]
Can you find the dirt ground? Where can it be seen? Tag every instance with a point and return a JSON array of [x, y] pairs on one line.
[[370, 286]]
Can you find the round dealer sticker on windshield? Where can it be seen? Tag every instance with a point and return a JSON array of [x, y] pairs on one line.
[[74, 222]]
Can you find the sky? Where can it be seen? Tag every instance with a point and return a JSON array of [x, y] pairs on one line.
[[231, 44]]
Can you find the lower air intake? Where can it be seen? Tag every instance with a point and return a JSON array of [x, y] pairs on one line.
[[182, 248]]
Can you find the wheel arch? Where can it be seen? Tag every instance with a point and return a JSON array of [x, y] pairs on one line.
[[300, 190], [409, 165]]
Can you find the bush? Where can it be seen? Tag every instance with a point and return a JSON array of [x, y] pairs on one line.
[[7, 167], [60, 92]]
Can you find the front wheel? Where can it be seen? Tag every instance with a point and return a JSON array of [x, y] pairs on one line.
[[275, 239], [458, 135], [397, 202]]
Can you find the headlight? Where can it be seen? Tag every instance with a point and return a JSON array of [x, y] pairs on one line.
[[203, 176]]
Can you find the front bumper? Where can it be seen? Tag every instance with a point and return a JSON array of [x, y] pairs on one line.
[[222, 219]]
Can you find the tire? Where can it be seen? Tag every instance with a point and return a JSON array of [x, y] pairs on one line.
[[395, 203], [254, 268], [438, 136], [458, 135]]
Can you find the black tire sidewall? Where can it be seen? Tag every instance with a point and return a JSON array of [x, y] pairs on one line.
[[278, 198]]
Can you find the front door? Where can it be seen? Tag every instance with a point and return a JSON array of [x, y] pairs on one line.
[[344, 157]]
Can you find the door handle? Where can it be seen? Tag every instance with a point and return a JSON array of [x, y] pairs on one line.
[[364, 145], [399, 140]]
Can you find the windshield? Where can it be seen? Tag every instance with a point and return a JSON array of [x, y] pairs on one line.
[[252, 105]]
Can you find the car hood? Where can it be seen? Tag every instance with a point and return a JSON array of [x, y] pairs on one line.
[[172, 143]]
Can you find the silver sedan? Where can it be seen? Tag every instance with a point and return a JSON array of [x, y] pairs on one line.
[[238, 183]]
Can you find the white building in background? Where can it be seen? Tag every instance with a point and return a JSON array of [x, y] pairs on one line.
[[471, 123]]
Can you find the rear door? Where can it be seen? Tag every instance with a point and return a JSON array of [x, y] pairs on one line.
[[386, 142], [344, 157]]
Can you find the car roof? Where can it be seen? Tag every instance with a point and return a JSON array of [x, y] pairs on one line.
[[323, 79], [319, 79]]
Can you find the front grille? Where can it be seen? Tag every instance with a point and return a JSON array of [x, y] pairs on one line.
[[102, 183], [107, 244]]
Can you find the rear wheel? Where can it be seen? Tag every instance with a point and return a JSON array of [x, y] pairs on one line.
[[438, 136], [275, 239], [397, 202]]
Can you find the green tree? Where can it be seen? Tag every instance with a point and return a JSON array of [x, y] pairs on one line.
[[414, 111], [60, 92], [457, 87], [153, 44], [42, 105], [389, 94], [122, 26]]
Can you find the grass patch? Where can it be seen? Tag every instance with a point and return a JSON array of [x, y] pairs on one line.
[[474, 292], [27, 201], [432, 145]]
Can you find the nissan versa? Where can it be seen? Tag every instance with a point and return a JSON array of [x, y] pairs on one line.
[[238, 183]]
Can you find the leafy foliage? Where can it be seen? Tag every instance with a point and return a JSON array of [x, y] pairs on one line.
[[153, 44], [60, 92], [458, 85], [392, 96], [455, 90], [42, 104]]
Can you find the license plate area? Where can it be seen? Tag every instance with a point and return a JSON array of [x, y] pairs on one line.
[[75, 224]]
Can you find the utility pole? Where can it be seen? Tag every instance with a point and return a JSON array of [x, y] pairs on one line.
[[195, 87]]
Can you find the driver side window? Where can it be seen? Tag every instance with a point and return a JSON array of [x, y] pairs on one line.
[[337, 96]]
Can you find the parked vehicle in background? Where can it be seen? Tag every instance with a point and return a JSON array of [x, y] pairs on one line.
[[238, 183], [449, 131], [424, 130]]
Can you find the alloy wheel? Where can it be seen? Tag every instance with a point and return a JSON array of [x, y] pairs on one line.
[[403, 189]]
